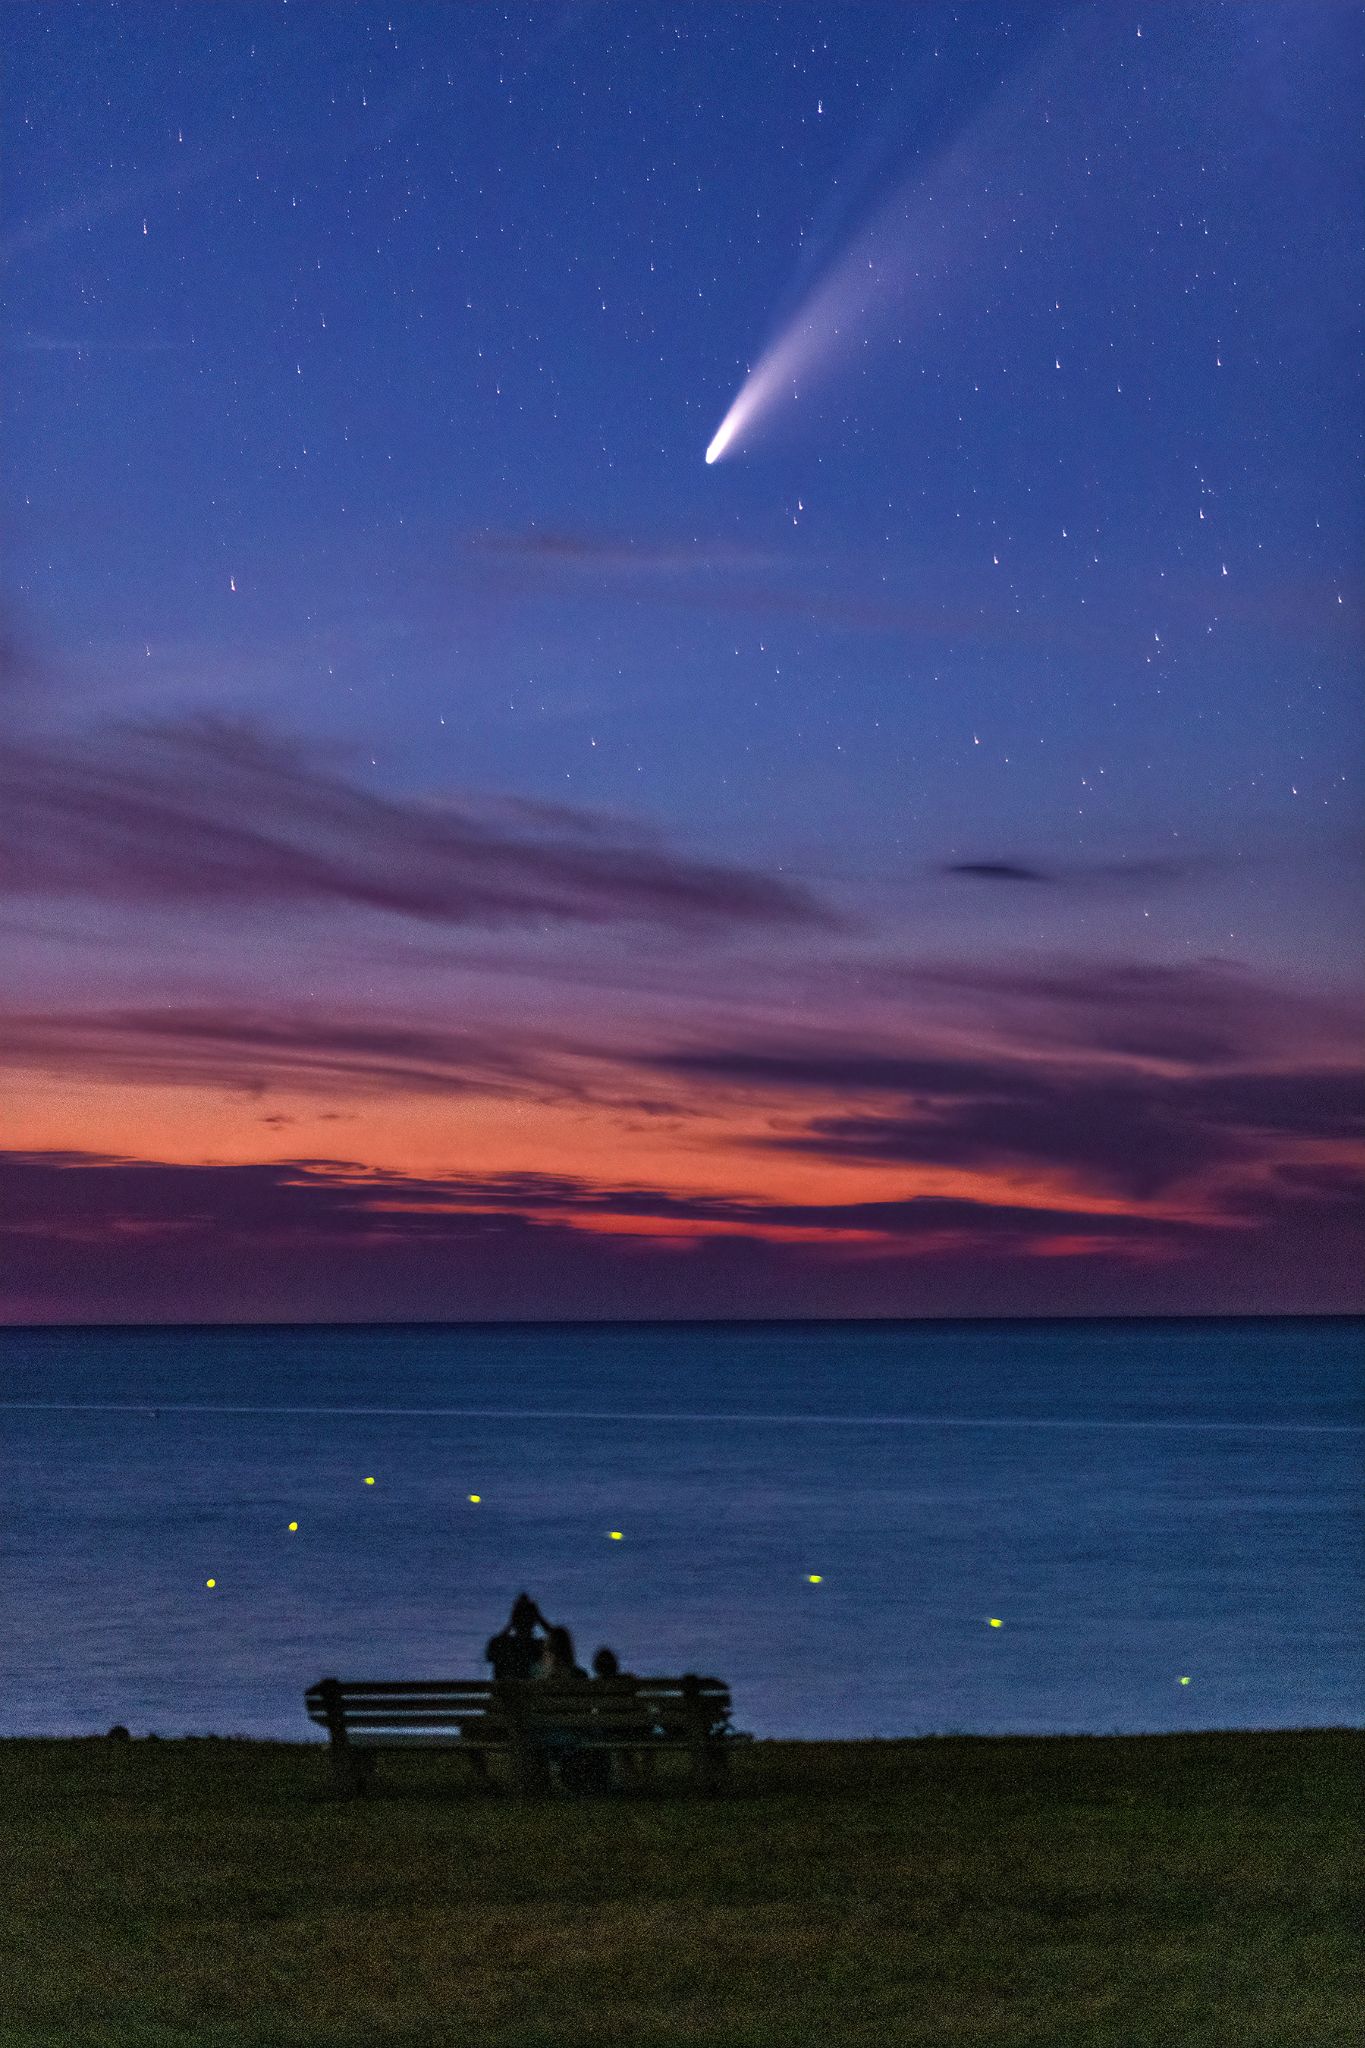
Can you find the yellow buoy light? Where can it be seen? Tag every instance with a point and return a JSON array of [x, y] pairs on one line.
[[1184, 1681], [995, 1624], [292, 1527], [476, 1498], [369, 1482], [210, 1582], [814, 1579], [615, 1535]]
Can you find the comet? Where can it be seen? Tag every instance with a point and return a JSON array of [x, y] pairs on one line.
[[895, 271], [723, 436], [839, 311]]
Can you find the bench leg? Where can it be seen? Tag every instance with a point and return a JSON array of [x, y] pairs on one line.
[[530, 1770], [708, 1764], [347, 1770], [635, 1767]]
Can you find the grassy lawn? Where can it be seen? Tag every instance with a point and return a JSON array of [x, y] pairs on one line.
[[1191, 1891]]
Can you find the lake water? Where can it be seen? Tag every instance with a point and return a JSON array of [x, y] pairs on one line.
[[1135, 1504]]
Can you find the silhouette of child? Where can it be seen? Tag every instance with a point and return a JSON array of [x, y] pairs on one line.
[[557, 1665], [599, 1767]]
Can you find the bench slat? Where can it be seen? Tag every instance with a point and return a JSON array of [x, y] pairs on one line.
[[411, 1703], [399, 1722], [542, 1704], [457, 1743], [539, 1717], [474, 1688], [633, 1711], [370, 1740], [533, 1688]]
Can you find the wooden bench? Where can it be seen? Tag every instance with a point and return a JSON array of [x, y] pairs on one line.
[[528, 1722]]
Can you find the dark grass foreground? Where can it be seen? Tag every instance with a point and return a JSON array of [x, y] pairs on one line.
[[1102, 1892]]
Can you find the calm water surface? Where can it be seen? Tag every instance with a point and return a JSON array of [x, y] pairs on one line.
[[1135, 1504]]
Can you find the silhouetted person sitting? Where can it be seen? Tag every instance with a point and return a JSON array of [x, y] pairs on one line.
[[516, 1652], [557, 1666], [609, 1678], [559, 1671]]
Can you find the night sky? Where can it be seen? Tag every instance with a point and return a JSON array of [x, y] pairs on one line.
[[466, 855]]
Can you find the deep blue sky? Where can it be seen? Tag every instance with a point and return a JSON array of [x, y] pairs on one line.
[[360, 365]]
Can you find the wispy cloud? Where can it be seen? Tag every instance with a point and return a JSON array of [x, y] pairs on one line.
[[594, 554], [65, 344], [115, 196], [244, 1051], [350, 1199], [1139, 1138], [127, 1239], [1196, 1014], [1120, 1128], [716, 574], [216, 815]]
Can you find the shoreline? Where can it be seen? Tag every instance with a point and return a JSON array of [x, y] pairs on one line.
[[319, 1742], [1325, 1315]]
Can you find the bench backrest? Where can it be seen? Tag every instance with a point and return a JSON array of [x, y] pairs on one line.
[[667, 1707]]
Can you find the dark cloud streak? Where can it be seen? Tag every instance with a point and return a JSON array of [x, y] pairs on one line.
[[1135, 874], [216, 816], [1133, 1132], [140, 1240], [243, 1050]]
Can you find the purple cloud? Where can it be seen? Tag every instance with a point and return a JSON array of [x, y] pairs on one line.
[[62, 1192], [208, 814], [240, 1049], [1205, 1013], [88, 1238], [1125, 1129]]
